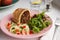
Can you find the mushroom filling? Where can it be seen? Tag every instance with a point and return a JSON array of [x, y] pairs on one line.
[[25, 17]]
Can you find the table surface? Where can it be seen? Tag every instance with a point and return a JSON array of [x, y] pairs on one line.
[[53, 13]]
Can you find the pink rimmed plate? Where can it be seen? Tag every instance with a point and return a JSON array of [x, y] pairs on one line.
[[7, 18]]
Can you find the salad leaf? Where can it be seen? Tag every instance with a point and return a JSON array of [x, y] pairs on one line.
[[47, 22], [36, 23], [36, 29]]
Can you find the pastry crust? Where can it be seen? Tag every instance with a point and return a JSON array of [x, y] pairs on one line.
[[18, 16]]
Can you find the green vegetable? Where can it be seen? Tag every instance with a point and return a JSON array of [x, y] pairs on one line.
[[47, 22], [36, 29], [36, 23], [14, 32], [13, 24], [13, 28]]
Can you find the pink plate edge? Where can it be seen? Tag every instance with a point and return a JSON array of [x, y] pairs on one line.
[[3, 28]]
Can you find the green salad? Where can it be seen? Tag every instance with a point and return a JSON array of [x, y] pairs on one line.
[[38, 22]]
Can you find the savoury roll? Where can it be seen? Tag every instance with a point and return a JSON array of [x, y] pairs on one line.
[[21, 15]]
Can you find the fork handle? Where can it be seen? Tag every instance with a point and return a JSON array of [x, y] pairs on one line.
[[55, 31]]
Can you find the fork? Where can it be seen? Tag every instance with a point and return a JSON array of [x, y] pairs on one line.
[[57, 24]]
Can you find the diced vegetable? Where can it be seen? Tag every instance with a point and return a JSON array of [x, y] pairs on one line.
[[18, 33], [17, 30], [31, 32], [8, 25], [24, 32], [24, 26]]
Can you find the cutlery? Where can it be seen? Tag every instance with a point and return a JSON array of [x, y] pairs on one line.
[[57, 24]]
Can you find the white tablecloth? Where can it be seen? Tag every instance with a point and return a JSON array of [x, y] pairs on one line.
[[53, 13]]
